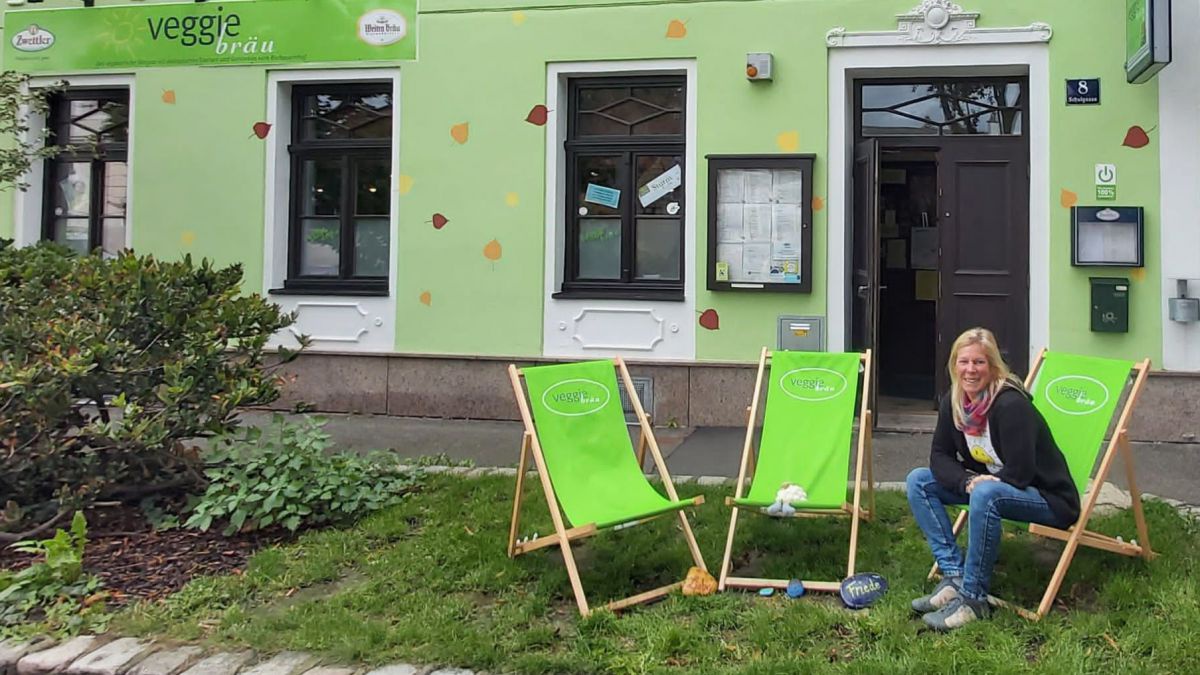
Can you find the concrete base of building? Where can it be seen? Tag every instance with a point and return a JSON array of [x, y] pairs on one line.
[[692, 394]]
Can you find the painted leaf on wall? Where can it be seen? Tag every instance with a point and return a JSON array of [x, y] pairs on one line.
[[168, 96], [439, 221], [1068, 198], [818, 203], [262, 129], [676, 29], [460, 132], [492, 251], [710, 320], [538, 115], [1136, 137], [426, 298]]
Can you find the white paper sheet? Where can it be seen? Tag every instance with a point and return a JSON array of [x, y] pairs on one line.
[[788, 187], [732, 254], [786, 224], [756, 262], [758, 187], [756, 221], [731, 186], [729, 223], [924, 254]]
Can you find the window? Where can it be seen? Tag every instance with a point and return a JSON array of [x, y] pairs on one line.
[[943, 108], [86, 185], [340, 212], [624, 157]]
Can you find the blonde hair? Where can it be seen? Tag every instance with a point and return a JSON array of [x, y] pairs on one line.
[[1001, 375]]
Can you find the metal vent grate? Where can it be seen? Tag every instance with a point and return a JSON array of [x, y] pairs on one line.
[[644, 386]]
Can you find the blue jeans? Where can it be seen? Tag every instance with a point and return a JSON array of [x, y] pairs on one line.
[[990, 502]]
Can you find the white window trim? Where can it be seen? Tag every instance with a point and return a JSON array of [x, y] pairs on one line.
[[677, 319], [278, 165], [28, 203], [850, 63]]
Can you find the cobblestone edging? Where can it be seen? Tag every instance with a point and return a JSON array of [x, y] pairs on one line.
[[103, 655]]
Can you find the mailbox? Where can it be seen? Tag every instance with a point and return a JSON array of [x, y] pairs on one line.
[[1110, 304], [802, 333]]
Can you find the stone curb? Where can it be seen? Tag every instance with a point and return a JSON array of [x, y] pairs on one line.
[[104, 655]]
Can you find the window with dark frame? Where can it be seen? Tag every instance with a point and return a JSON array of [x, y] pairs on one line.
[[339, 222], [944, 107], [86, 185], [625, 196]]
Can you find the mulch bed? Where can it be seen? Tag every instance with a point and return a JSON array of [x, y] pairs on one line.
[[135, 562]]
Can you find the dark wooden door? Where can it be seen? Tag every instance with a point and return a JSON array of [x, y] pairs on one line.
[[864, 289], [983, 196]]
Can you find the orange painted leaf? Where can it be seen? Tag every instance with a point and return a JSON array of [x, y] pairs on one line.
[[460, 132], [426, 299], [1068, 198], [818, 204], [168, 96], [492, 251]]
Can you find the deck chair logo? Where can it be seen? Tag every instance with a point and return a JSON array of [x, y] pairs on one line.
[[577, 397], [813, 384], [1076, 394]]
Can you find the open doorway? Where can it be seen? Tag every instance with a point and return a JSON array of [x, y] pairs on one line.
[[908, 279], [941, 228]]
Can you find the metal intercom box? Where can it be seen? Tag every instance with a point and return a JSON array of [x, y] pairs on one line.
[[1110, 304], [801, 333]]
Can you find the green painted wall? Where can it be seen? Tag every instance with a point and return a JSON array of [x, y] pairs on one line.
[[198, 183]]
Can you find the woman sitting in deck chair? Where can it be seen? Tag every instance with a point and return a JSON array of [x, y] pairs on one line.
[[992, 451]]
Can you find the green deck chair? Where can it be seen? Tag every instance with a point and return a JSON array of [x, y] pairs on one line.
[[806, 441], [1078, 395], [580, 444]]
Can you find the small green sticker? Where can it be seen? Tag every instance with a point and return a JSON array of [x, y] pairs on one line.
[[1106, 192]]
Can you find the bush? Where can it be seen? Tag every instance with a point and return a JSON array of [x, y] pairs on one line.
[[108, 365], [287, 476]]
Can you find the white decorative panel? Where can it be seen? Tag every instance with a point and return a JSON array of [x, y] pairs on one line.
[[618, 328], [340, 324], [938, 22]]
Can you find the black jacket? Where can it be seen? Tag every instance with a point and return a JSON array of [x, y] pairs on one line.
[[1023, 442]]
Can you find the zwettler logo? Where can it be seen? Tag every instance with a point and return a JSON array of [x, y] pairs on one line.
[[33, 39], [380, 27]]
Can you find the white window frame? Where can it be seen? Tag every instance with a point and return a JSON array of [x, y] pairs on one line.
[[337, 323], [660, 330], [28, 204]]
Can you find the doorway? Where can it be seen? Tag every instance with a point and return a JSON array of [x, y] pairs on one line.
[[941, 227]]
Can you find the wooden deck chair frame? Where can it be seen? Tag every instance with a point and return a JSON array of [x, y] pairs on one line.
[[1078, 534], [563, 536], [853, 510]]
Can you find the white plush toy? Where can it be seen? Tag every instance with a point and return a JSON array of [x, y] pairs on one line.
[[788, 493]]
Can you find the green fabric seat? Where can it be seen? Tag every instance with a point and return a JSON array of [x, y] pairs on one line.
[[806, 431], [1077, 396], [589, 456]]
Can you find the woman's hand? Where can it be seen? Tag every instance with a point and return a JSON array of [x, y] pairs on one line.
[[976, 479]]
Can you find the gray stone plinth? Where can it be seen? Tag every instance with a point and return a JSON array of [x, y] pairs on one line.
[[167, 662], [453, 671], [12, 651], [286, 663], [112, 658], [56, 658], [396, 669], [711, 480], [226, 663]]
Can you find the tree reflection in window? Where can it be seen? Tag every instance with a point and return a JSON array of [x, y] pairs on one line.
[[945, 108]]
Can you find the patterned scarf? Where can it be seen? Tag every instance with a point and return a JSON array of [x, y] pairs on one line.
[[976, 414]]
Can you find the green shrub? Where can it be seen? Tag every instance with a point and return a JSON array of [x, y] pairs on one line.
[[107, 365], [55, 589], [287, 476]]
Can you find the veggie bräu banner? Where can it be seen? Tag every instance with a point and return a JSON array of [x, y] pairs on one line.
[[210, 33]]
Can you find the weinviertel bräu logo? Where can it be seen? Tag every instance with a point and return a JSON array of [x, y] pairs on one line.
[[573, 398]]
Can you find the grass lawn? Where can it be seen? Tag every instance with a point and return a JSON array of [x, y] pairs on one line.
[[429, 582]]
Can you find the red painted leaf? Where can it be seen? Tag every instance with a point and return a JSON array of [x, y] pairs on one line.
[[537, 115], [439, 221], [261, 129], [1136, 137], [710, 320]]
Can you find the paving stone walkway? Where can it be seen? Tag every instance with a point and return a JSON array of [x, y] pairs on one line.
[[105, 655]]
